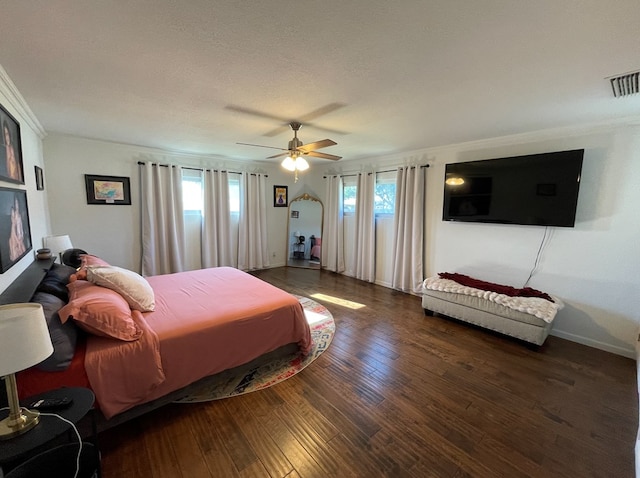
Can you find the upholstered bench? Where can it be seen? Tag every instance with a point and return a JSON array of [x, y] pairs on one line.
[[525, 318]]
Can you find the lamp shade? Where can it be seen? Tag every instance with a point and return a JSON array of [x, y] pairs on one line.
[[58, 244], [301, 164], [24, 337], [289, 164]]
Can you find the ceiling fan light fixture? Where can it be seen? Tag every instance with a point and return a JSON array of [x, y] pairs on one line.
[[301, 164], [289, 164]]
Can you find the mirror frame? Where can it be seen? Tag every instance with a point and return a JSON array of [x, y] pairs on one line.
[[303, 197]]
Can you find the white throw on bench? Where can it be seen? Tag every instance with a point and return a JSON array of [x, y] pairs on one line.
[[525, 318]]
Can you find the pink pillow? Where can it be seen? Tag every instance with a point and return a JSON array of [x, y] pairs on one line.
[[99, 311], [90, 260]]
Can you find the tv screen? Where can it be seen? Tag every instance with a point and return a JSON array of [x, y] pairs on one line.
[[538, 189]]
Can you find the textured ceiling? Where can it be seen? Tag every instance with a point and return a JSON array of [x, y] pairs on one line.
[[378, 77]]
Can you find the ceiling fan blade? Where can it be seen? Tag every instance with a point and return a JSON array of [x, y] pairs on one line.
[[323, 110], [278, 155], [282, 129], [304, 119], [262, 146], [278, 130], [305, 148], [249, 111], [315, 154]]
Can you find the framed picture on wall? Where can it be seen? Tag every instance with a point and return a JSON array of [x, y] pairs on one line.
[[280, 196], [39, 178], [107, 189], [15, 233], [10, 149]]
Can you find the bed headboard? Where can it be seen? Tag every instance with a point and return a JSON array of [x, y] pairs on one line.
[[23, 288]]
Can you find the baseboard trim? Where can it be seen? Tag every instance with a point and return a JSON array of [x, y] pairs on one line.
[[383, 284], [614, 349]]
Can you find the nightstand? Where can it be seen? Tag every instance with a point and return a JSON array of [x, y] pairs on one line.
[[298, 250], [24, 446]]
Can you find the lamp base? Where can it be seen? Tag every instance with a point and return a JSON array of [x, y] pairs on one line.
[[12, 427]]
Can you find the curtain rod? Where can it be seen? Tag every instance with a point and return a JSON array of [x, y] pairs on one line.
[[142, 163], [376, 172]]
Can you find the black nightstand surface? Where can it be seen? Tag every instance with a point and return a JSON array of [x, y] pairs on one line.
[[49, 427]]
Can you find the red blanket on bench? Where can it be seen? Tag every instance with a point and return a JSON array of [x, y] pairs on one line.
[[490, 286]]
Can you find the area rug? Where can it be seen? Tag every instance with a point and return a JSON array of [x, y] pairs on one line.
[[268, 371]]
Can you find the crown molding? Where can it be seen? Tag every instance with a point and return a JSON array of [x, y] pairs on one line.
[[573, 131], [427, 154], [18, 104]]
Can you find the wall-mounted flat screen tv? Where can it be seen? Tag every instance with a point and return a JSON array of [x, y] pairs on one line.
[[537, 189]]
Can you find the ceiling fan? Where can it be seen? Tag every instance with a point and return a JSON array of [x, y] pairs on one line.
[[294, 160]]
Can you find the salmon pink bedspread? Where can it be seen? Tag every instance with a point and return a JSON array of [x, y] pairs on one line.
[[205, 321]]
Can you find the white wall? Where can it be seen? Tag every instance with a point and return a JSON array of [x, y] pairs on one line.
[[113, 232], [592, 267], [31, 133]]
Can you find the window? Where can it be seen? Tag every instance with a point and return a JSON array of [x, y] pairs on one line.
[[349, 194], [385, 200], [192, 198], [193, 195], [234, 193]]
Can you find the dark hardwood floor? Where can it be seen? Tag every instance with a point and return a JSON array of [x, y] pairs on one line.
[[400, 394]]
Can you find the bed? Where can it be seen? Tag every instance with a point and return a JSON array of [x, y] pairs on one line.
[[202, 322], [316, 248]]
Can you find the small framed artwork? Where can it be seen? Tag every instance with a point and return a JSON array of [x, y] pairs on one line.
[[15, 233], [114, 190], [295, 214], [10, 149], [39, 178], [280, 198]]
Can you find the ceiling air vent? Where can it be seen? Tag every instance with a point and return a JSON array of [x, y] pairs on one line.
[[625, 85]]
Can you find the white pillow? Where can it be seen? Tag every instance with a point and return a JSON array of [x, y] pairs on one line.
[[131, 286]]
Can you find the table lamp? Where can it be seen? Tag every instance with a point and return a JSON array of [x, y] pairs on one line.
[[24, 342], [58, 244]]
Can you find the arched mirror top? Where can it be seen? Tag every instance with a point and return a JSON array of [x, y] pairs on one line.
[[306, 197]]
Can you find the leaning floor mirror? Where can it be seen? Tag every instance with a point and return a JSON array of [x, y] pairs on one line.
[[304, 232]]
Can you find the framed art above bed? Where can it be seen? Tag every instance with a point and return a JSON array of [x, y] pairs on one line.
[[107, 189], [15, 233]]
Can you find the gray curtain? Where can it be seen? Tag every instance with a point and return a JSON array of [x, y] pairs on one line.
[[333, 233], [365, 250], [216, 223], [408, 229], [252, 232], [163, 240]]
